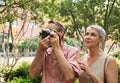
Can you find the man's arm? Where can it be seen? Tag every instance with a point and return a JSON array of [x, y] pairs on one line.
[[36, 65], [65, 67]]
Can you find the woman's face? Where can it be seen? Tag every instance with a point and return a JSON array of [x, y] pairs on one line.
[[91, 38]]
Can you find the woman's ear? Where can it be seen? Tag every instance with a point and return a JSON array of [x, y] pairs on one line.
[[102, 40]]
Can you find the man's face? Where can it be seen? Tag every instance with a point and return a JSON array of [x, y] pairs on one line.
[[52, 27]]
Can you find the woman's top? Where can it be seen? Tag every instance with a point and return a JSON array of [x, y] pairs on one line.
[[97, 68]]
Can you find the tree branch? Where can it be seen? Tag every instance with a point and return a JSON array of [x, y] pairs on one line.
[[111, 47]]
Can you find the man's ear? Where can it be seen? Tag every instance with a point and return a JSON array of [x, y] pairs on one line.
[[61, 33]]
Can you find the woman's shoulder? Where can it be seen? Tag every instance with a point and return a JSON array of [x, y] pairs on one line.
[[110, 59], [109, 56]]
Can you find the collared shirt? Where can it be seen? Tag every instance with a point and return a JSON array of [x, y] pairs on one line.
[[51, 71]]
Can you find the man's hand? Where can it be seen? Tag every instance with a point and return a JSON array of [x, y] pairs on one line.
[[44, 43], [54, 40]]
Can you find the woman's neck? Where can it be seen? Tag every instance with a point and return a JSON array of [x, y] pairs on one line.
[[93, 55], [95, 52]]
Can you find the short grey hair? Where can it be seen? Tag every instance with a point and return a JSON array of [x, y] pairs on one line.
[[100, 30]]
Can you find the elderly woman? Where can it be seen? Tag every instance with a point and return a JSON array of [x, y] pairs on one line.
[[97, 66]]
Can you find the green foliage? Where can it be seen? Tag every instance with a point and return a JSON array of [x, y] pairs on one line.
[[76, 81], [116, 54], [5, 70], [23, 69], [6, 73], [38, 79], [19, 74], [10, 18], [116, 35], [81, 13], [76, 14], [22, 46], [31, 43], [74, 42], [20, 79], [70, 42]]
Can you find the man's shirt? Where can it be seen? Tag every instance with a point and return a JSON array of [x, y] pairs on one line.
[[51, 72]]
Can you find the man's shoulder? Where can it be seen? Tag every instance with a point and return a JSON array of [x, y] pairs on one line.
[[72, 48]]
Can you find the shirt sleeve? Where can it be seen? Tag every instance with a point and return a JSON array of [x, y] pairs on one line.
[[74, 59]]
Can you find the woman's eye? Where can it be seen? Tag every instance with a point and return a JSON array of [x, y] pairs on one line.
[[93, 34]]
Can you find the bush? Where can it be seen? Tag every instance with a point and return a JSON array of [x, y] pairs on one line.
[[18, 75], [37, 79], [6, 73], [22, 70], [21, 79]]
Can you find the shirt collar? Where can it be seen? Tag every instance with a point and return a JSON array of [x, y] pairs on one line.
[[50, 50]]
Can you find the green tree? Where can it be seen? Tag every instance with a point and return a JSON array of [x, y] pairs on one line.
[[80, 14], [11, 11]]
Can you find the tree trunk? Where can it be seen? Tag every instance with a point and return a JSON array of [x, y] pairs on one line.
[[110, 47]]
